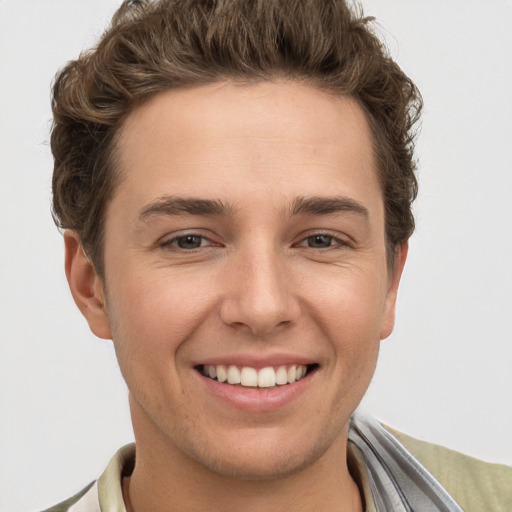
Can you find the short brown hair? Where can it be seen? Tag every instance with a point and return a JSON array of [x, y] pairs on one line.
[[155, 45]]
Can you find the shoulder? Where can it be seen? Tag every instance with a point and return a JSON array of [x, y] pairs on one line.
[[475, 485]]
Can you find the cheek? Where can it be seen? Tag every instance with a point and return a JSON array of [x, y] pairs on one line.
[[350, 307], [349, 312], [153, 315]]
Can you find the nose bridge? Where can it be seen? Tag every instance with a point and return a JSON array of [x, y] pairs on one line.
[[261, 294]]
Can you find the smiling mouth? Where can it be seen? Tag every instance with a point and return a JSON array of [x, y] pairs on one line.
[[246, 376]]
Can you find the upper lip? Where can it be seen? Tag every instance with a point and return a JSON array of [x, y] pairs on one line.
[[256, 361]]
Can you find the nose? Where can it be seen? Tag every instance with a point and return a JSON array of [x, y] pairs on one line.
[[260, 293]]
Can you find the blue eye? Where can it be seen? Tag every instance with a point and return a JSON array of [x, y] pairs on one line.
[[319, 241]]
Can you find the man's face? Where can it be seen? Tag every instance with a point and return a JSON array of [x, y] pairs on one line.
[[247, 232]]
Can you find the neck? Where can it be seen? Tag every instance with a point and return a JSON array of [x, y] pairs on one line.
[[301, 493], [167, 479], [167, 487]]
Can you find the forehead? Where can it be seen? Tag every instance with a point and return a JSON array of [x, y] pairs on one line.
[[280, 136]]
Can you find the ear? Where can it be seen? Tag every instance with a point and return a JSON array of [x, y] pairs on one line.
[[86, 286], [394, 280]]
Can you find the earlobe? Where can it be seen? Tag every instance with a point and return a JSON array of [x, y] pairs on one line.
[[394, 280], [86, 286]]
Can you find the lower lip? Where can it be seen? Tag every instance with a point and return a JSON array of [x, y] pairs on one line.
[[256, 400]]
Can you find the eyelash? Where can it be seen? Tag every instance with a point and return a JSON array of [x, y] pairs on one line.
[[334, 242], [173, 242]]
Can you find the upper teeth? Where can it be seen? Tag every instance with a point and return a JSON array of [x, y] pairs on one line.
[[251, 377]]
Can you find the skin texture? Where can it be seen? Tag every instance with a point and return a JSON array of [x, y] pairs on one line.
[[254, 284]]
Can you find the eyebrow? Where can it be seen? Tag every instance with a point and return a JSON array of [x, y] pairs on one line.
[[327, 206], [173, 205]]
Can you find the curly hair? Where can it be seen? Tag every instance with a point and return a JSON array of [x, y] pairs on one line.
[[155, 45]]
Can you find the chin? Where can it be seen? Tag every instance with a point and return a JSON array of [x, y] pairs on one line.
[[260, 461], [257, 468]]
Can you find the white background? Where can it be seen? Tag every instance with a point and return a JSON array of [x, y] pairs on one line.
[[446, 373]]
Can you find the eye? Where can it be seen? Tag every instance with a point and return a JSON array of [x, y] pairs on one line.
[[319, 241], [187, 242], [322, 241]]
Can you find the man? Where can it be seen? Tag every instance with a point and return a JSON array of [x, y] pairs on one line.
[[235, 180]]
